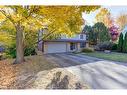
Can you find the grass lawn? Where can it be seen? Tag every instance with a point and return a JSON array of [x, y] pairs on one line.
[[121, 57]]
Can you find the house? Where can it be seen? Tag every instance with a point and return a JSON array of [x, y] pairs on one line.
[[65, 44]]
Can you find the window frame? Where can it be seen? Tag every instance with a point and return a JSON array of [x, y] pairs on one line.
[[82, 44], [81, 36]]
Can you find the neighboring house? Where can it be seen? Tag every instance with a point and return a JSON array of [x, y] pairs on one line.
[[65, 44]]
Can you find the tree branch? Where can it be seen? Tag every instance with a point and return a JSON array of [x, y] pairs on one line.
[[8, 17], [46, 36], [34, 9]]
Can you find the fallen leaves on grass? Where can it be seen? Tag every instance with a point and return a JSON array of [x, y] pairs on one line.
[[36, 73]]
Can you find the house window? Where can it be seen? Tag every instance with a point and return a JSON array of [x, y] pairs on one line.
[[72, 46], [82, 45], [87, 37], [81, 36]]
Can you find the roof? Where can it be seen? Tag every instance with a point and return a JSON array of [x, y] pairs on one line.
[[65, 40]]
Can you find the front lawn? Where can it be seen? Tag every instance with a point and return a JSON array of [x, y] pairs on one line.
[[121, 57]]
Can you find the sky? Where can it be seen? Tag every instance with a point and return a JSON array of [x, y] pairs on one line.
[[114, 10]]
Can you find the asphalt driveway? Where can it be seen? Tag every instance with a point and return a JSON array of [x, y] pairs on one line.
[[97, 73]]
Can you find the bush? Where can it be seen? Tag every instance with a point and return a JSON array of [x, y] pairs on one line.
[[115, 46], [29, 51], [105, 46], [11, 51], [87, 50]]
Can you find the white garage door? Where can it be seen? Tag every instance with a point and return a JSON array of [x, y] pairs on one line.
[[56, 47]]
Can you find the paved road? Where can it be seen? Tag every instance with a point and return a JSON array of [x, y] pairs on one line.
[[97, 73]]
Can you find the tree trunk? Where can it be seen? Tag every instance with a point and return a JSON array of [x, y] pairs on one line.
[[19, 44]]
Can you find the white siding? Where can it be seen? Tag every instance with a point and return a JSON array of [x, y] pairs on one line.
[[54, 47]]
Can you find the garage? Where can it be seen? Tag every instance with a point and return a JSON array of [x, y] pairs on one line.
[[54, 47]]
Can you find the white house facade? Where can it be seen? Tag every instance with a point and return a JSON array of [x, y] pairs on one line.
[[65, 44]]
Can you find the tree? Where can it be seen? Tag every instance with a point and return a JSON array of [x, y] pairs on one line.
[[122, 21], [18, 16], [92, 36], [61, 19], [104, 16], [87, 29], [120, 43], [101, 31], [125, 43], [113, 32]]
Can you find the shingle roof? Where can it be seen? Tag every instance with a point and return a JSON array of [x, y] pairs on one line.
[[65, 40]]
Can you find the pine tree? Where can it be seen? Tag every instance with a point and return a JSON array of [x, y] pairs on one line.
[[120, 43], [125, 43]]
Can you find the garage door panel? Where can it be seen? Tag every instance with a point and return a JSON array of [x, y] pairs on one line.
[[56, 47]]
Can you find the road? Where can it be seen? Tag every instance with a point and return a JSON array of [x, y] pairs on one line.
[[97, 73]]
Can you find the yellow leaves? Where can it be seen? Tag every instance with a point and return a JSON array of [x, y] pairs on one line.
[[63, 19], [104, 17], [5, 38], [88, 9], [16, 17], [1, 6], [2, 17]]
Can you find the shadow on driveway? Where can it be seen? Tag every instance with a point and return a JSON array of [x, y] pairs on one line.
[[97, 73]]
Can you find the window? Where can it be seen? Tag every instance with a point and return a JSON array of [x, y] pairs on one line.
[[81, 36], [82, 45], [72, 46], [87, 37]]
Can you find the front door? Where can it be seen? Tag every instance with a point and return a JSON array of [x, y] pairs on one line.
[[72, 46]]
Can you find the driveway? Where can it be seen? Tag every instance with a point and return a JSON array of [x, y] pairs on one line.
[[97, 73]]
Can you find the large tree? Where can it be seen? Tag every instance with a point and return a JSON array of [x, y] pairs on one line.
[[92, 36], [101, 31], [58, 19], [122, 21], [104, 16]]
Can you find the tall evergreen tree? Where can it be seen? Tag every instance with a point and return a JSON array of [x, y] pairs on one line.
[[102, 32], [120, 43], [125, 43]]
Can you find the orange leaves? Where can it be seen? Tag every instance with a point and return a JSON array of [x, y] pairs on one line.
[[105, 17], [122, 21]]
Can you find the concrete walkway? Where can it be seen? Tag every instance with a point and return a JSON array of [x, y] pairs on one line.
[[97, 73]]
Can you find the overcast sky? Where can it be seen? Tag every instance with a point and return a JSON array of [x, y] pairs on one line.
[[114, 10]]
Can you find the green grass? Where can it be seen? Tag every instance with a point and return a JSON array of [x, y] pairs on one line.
[[121, 57]]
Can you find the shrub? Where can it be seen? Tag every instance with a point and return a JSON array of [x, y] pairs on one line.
[[104, 46], [29, 51], [11, 51], [87, 50], [115, 46]]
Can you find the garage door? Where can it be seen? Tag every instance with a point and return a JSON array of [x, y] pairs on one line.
[[56, 47]]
